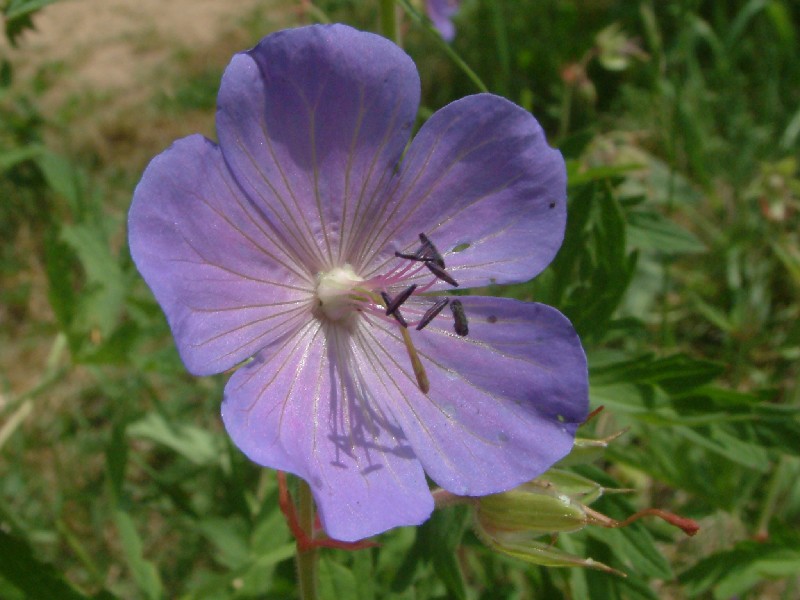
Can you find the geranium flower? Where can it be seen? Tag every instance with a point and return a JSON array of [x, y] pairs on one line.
[[441, 12], [291, 249]]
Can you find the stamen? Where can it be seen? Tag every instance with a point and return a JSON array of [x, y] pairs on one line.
[[416, 364], [459, 317], [387, 300], [431, 313], [393, 305], [416, 257], [395, 312], [399, 318], [429, 251], [426, 253], [440, 273]]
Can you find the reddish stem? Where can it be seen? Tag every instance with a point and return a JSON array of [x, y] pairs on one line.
[[594, 413], [304, 541], [689, 526]]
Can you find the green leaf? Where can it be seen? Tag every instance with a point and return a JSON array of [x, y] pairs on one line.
[[336, 580], [618, 588], [715, 315], [92, 248], [363, 571], [229, 538], [728, 446], [32, 578], [600, 261], [678, 373], [144, 572], [116, 461], [436, 543], [64, 179], [579, 175], [442, 535], [10, 158], [18, 15], [257, 576], [619, 397], [635, 546], [59, 262], [733, 572], [89, 308], [653, 231], [19, 8], [197, 445]]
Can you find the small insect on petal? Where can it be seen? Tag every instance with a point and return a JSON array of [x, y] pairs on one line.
[[459, 317], [431, 313], [441, 273]]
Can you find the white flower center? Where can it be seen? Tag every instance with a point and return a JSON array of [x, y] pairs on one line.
[[337, 297]]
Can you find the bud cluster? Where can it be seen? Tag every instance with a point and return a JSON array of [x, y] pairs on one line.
[[516, 522]]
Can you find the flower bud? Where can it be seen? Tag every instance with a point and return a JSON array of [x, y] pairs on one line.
[[511, 522], [531, 508], [573, 485]]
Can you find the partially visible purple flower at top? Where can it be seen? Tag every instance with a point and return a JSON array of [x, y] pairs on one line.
[[441, 13], [280, 245]]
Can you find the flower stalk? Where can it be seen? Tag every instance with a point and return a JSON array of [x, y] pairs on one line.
[[389, 27], [306, 557]]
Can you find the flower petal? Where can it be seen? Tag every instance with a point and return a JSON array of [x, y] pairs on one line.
[[223, 280], [312, 122], [504, 401], [480, 180], [299, 407]]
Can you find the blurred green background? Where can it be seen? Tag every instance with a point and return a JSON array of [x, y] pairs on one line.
[[680, 122]]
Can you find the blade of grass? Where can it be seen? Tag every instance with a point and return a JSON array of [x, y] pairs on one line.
[[425, 23]]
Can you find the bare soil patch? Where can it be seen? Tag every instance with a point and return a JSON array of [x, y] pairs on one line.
[[113, 46]]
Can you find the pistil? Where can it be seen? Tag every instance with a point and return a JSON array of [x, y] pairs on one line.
[[423, 382]]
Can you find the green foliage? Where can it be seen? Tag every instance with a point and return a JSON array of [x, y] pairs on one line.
[[737, 571], [26, 577], [680, 268], [18, 15]]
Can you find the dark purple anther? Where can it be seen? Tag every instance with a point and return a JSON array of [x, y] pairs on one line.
[[416, 257], [393, 305], [395, 311], [429, 251], [440, 273], [459, 318], [431, 313], [399, 318]]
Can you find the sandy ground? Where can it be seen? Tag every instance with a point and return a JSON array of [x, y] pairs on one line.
[[110, 46]]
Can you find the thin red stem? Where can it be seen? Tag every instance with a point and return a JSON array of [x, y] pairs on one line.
[[304, 541]]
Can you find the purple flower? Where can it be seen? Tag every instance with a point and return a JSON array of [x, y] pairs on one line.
[[441, 13], [276, 251]]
